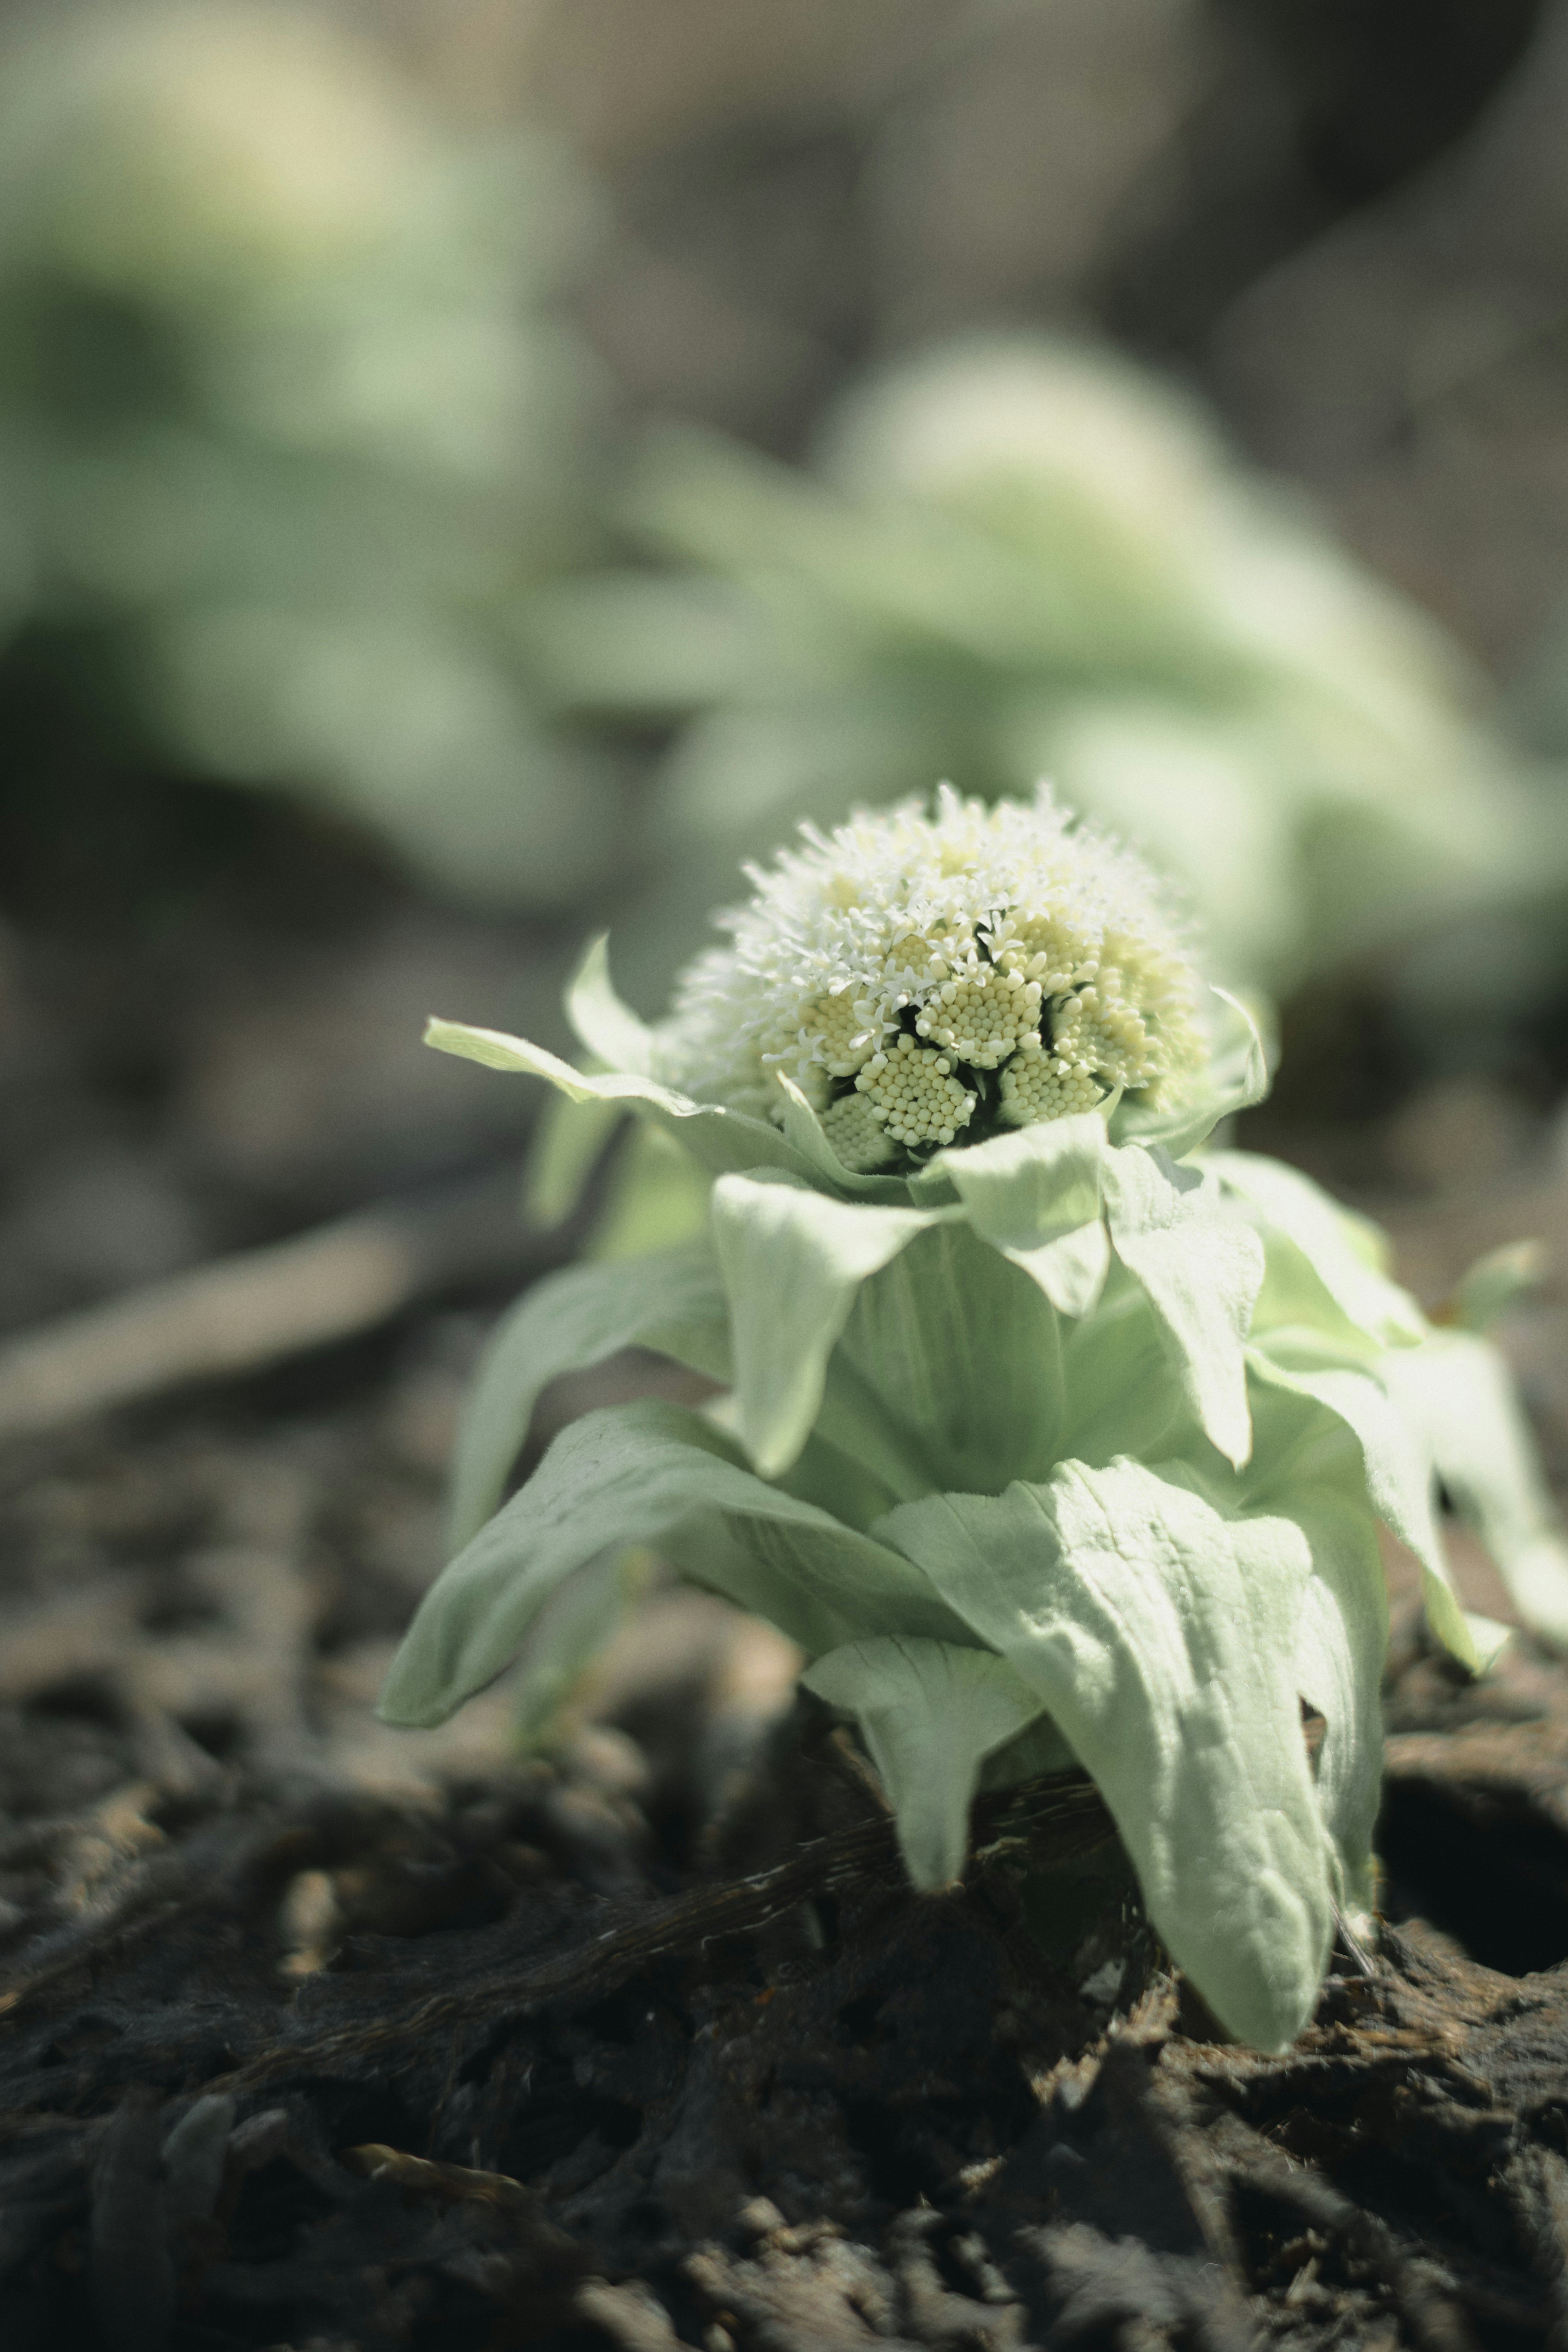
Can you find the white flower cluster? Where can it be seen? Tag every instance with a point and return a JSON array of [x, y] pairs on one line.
[[913, 972]]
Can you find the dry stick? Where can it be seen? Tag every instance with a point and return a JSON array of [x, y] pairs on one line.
[[1065, 1813], [1066, 1810], [242, 1313]]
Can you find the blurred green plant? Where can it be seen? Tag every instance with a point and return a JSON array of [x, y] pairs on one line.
[[286, 429], [1020, 559]]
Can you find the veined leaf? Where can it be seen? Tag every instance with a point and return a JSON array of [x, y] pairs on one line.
[[1162, 1638], [673, 1301], [1310, 1465], [1321, 1261], [1070, 1270], [1032, 1185], [1456, 1394], [1201, 1267], [929, 1715], [964, 1353], [1396, 1467], [657, 1474], [792, 1263]]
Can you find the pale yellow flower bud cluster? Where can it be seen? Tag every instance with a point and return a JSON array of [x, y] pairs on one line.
[[921, 977], [982, 1013], [1037, 1085], [843, 1032], [1043, 949], [1099, 1029], [913, 1095], [857, 1138]]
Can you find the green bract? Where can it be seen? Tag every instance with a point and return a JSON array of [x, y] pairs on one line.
[[1064, 1444]]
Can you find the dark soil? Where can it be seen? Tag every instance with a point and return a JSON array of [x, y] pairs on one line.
[[483, 2067]]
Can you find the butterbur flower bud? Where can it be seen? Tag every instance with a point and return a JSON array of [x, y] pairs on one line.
[[967, 970]]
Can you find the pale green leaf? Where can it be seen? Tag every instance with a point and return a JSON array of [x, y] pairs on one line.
[[608, 1027], [1070, 1270], [1201, 1267], [860, 1472], [1162, 1638], [929, 1714], [1036, 1196], [839, 1480], [673, 1302], [1342, 1641], [718, 1139], [1395, 1465], [568, 1140], [860, 1422], [1458, 1396], [497, 1051], [1321, 1262], [654, 1195], [964, 1353], [931, 1187], [575, 1625], [792, 1263], [1308, 1466], [1029, 1186], [1118, 1393], [655, 1474], [1491, 1638]]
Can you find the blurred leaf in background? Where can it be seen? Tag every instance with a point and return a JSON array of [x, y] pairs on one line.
[[286, 424], [1022, 556]]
